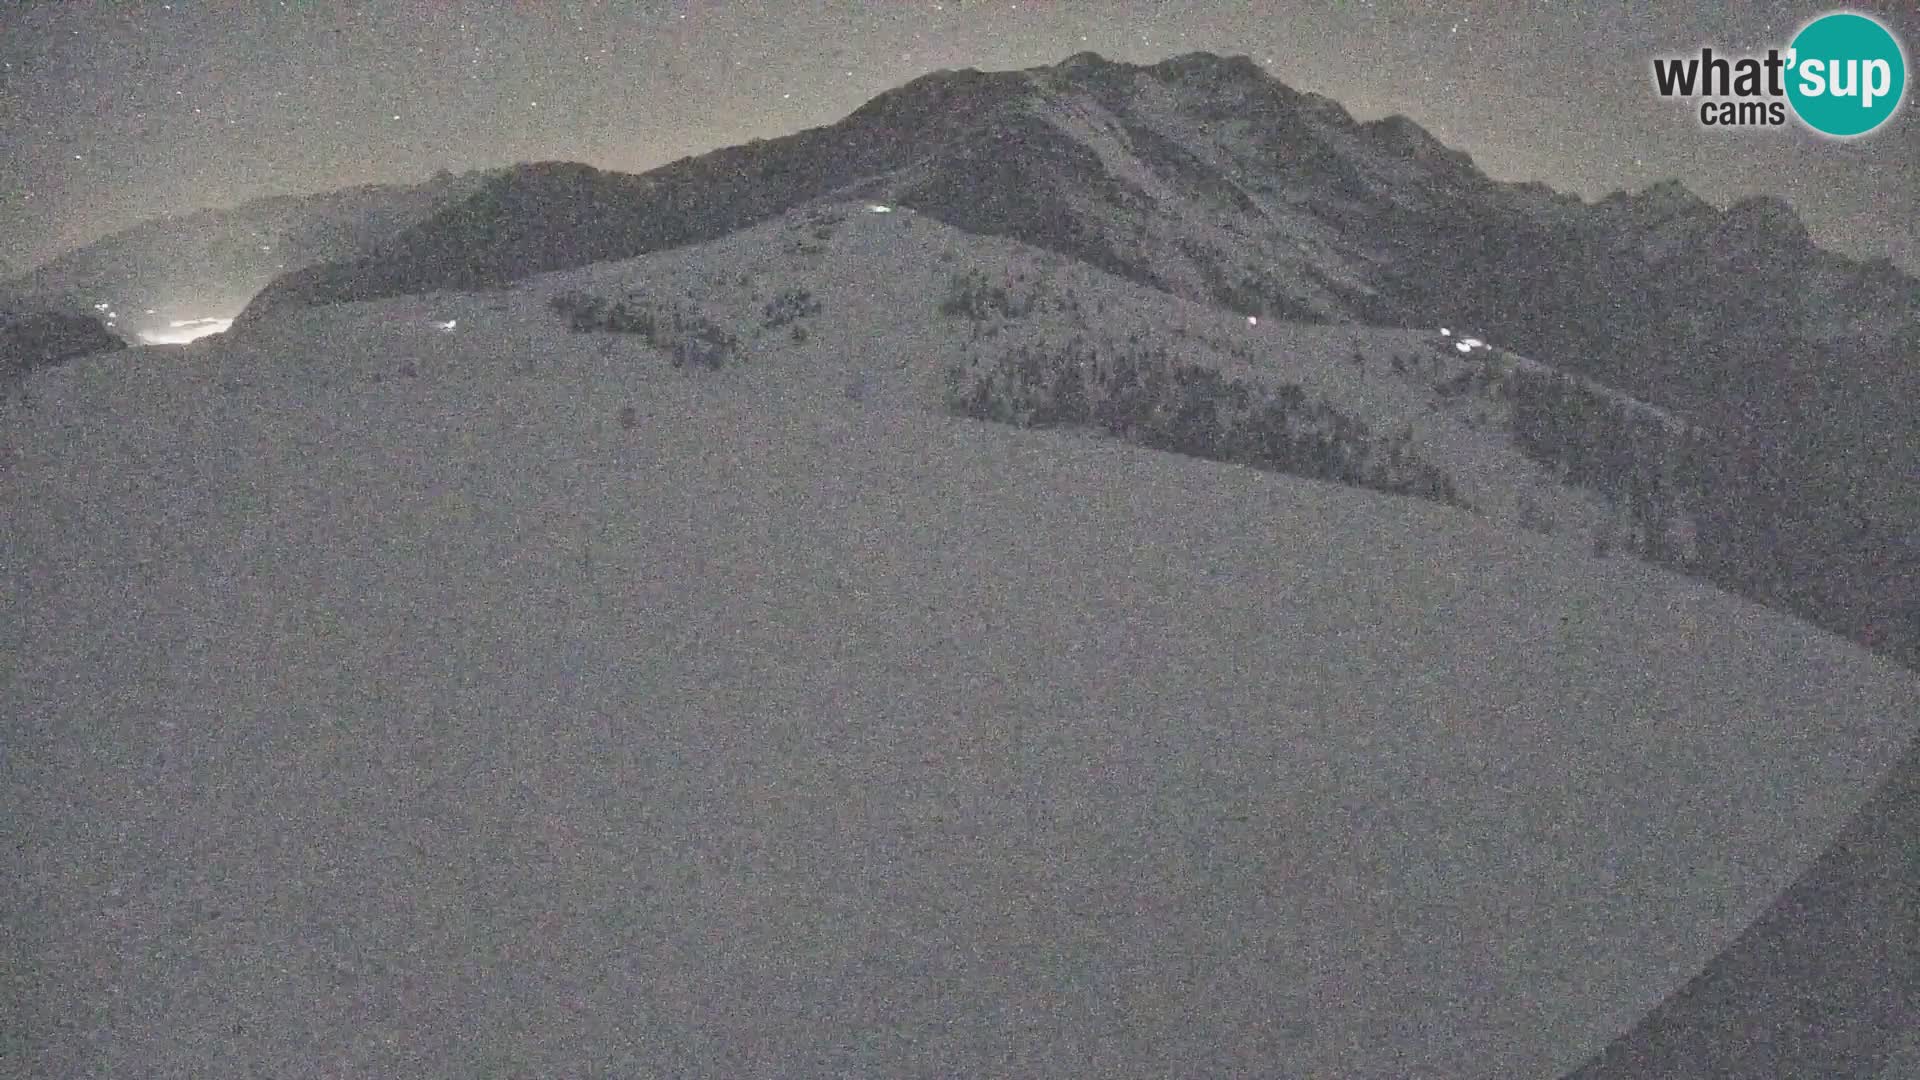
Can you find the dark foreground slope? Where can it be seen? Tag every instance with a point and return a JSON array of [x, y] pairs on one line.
[[444, 724], [1826, 983], [39, 338]]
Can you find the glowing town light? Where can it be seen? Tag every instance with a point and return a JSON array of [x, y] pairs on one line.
[[181, 331]]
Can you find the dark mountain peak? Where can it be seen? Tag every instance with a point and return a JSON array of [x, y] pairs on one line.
[[1766, 211], [1401, 128], [1208, 66], [544, 173], [940, 99], [1400, 135], [1763, 223], [1215, 88], [1318, 107], [1545, 192], [1662, 199], [1660, 207], [1086, 58]]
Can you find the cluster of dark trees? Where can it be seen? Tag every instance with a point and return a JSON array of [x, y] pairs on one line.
[[687, 337], [1777, 521], [1146, 398], [1788, 529], [1770, 522], [1607, 443], [971, 296], [788, 306]]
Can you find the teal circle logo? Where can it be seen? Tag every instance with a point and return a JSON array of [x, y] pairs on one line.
[[1846, 74]]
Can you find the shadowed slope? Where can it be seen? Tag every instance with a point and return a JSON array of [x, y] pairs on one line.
[[1826, 983], [34, 339]]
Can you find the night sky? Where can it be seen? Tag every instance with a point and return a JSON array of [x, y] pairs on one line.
[[119, 111]]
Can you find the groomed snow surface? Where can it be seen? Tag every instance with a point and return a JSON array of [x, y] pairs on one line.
[[443, 725]]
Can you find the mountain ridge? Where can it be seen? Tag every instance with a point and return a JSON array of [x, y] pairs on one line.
[[1301, 142], [1204, 177]]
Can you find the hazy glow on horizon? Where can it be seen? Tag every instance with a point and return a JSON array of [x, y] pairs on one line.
[[181, 331]]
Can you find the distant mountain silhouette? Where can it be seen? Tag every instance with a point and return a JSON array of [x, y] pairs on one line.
[[1201, 175], [209, 263]]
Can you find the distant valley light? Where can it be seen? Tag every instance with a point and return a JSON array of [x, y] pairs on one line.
[[181, 331]]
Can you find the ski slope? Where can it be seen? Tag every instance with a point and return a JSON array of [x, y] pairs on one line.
[[369, 723]]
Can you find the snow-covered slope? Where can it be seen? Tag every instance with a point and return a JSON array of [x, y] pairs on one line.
[[885, 282], [389, 697], [1203, 177]]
